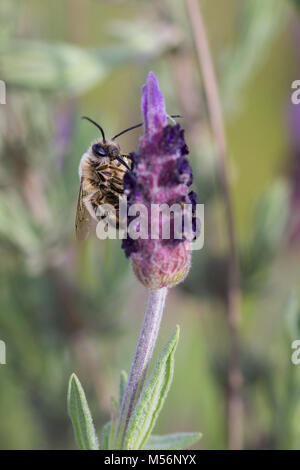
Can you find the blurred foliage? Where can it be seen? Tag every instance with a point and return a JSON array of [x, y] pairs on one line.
[[67, 68], [65, 308], [259, 23], [296, 2]]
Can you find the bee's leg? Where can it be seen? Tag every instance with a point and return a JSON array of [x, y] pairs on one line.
[[129, 158], [117, 190], [173, 116], [89, 202], [122, 162], [117, 182]]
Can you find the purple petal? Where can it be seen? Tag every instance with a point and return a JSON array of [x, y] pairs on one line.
[[153, 106]]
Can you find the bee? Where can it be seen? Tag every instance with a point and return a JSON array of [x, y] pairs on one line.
[[101, 171]]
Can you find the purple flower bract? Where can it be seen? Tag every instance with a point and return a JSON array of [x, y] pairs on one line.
[[161, 174]]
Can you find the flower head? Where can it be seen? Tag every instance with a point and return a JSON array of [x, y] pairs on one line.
[[161, 174]]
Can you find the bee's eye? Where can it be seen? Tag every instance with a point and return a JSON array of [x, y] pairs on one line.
[[99, 150]]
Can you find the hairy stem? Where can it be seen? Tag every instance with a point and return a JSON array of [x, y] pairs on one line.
[[234, 403], [141, 361]]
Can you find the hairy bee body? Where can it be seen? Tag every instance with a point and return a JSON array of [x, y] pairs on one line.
[[101, 172]]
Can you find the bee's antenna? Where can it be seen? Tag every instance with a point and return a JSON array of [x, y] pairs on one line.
[[127, 130], [139, 125], [97, 125]]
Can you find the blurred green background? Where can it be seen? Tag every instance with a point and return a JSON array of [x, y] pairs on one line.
[[66, 308]]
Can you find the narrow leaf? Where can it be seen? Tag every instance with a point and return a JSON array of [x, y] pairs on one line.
[[114, 417], [177, 441], [80, 415], [152, 397], [105, 435], [123, 383]]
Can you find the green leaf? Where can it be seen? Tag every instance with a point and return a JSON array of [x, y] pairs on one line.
[[177, 441], [80, 415], [114, 417], [123, 383], [152, 398], [105, 436]]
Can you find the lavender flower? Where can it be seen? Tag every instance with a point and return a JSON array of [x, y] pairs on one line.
[[161, 174]]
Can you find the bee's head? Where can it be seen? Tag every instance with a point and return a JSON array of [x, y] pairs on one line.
[[103, 148], [106, 149]]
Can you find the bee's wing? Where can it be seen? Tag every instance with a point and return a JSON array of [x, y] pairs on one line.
[[83, 221]]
